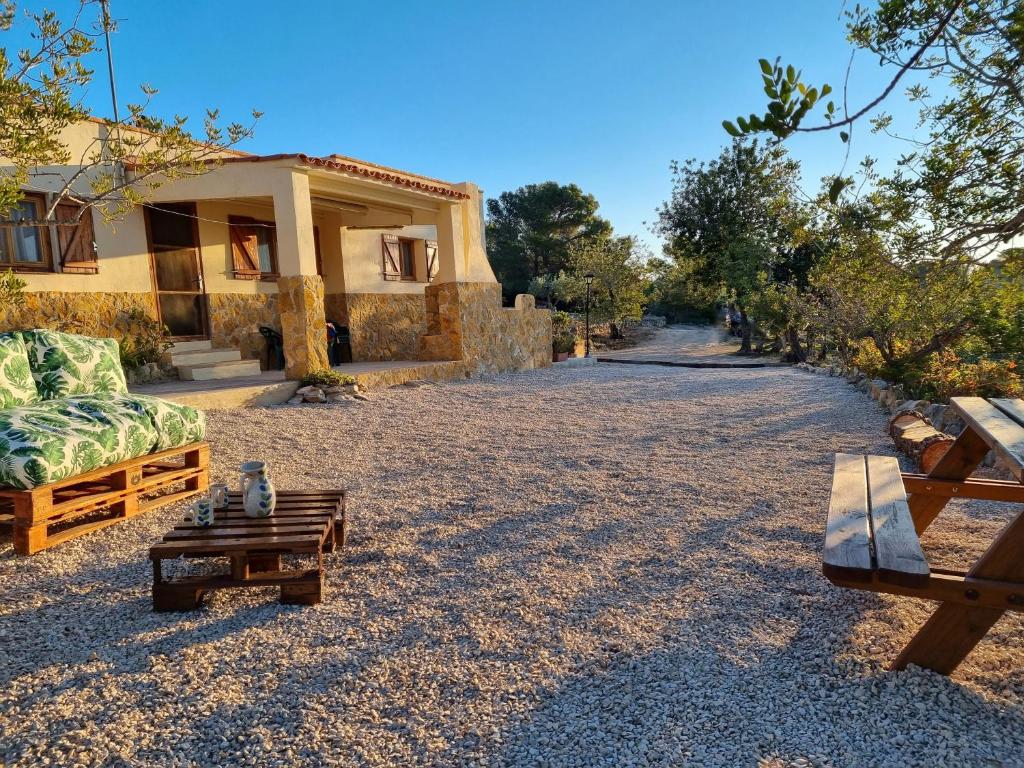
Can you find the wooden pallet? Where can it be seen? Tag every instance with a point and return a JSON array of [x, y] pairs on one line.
[[51, 514], [306, 523]]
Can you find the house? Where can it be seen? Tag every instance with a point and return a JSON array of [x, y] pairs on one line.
[[283, 241]]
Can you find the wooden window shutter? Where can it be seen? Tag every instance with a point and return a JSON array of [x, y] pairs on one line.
[[77, 242], [244, 248], [392, 254], [432, 265]]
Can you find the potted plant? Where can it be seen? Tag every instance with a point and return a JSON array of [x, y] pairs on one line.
[[563, 336], [561, 345]]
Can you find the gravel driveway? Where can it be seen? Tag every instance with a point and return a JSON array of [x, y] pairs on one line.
[[617, 565]]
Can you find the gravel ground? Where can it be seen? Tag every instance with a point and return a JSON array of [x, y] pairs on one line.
[[617, 565]]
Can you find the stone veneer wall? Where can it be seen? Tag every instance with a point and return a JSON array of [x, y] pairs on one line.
[[467, 322], [336, 307], [386, 326], [92, 314], [235, 320], [301, 303]]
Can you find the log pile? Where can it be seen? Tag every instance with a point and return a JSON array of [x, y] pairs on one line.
[[916, 437]]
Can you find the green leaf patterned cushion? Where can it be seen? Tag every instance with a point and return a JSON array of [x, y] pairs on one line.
[[175, 424], [66, 364], [55, 439], [17, 387]]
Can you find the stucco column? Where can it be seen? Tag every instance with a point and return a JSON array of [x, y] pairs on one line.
[[451, 247], [300, 289]]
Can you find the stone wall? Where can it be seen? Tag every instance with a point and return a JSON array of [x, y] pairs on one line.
[[336, 307], [92, 314], [386, 326], [235, 320], [467, 322], [303, 325]]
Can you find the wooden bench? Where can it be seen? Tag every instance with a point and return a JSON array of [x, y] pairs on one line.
[[876, 515], [51, 514]]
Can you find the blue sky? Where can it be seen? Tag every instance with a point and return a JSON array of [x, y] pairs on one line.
[[604, 94]]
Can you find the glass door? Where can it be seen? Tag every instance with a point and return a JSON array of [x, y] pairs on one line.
[[177, 270]]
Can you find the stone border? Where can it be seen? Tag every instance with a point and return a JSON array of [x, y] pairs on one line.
[[890, 397]]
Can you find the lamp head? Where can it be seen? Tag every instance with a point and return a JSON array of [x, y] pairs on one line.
[[589, 277]]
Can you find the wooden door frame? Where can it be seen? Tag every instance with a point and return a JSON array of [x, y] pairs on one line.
[[205, 309]]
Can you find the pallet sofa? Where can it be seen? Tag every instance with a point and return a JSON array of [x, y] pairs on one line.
[[78, 452]]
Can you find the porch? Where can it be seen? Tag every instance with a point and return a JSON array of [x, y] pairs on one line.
[[272, 388], [289, 243]]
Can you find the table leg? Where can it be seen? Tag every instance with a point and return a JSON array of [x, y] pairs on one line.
[[962, 458], [953, 630]]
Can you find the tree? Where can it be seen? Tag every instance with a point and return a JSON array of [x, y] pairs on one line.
[[732, 223], [620, 278], [41, 89], [960, 189], [531, 230]]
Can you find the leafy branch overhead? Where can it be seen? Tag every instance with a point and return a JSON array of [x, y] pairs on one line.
[[959, 187], [791, 100], [41, 95]]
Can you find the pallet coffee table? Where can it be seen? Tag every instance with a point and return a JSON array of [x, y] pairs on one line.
[[304, 523]]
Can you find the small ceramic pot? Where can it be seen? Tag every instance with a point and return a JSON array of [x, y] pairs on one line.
[[202, 513], [219, 495]]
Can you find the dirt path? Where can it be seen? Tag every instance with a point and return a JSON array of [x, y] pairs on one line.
[[693, 344]]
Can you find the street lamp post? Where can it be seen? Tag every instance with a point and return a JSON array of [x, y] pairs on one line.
[[589, 277]]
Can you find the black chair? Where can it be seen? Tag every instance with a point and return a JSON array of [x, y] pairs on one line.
[[339, 343], [275, 348]]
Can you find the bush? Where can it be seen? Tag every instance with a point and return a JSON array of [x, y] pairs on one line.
[[144, 338], [948, 376], [564, 330], [12, 290], [326, 378]]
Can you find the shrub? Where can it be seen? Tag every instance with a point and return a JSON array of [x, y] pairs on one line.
[[326, 378], [144, 339], [564, 331], [948, 376], [12, 290]]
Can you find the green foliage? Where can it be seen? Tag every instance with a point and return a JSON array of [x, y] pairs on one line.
[[12, 290], [947, 375], [143, 338], [735, 229], [530, 232], [326, 377], [564, 332], [41, 94], [620, 279], [960, 186]]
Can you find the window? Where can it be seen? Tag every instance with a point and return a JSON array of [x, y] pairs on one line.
[[408, 259], [399, 257], [26, 247], [253, 248]]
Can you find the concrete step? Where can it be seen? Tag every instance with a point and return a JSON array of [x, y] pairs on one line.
[[190, 346], [202, 356], [225, 370]]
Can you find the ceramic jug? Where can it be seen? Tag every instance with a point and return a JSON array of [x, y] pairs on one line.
[[258, 495]]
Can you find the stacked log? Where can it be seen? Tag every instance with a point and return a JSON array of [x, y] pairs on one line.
[[916, 437]]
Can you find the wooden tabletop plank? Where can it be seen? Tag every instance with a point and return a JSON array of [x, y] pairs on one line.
[[284, 544], [216, 534], [1000, 432], [847, 533], [223, 521], [899, 558]]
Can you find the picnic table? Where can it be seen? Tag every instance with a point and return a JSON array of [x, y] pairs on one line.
[[305, 523], [877, 514]]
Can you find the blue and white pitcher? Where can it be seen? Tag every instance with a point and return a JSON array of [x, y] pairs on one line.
[[258, 495]]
